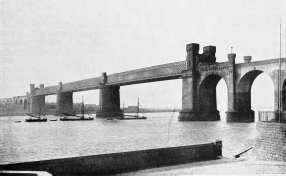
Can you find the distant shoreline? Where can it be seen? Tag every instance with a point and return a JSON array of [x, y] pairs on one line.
[[92, 108], [52, 112]]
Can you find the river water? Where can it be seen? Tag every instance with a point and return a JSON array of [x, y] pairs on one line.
[[21, 142]]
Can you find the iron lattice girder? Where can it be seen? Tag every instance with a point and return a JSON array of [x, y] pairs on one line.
[[148, 74]]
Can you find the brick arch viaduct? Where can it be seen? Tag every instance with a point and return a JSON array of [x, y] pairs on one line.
[[19, 100], [200, 73]]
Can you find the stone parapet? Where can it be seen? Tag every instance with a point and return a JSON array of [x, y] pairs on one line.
[[115, 163]]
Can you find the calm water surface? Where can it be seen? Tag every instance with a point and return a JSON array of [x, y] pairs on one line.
[[24, 141]]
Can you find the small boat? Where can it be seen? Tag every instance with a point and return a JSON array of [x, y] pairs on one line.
[[74, 115], [76, 119], [133, 117], [17, 121], [54, 120], [34, 118]]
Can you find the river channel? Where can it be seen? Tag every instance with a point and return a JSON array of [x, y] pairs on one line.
[[21, 142]]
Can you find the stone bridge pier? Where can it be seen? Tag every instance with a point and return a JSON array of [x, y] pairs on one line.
[[239, 97], [199, 90], [199, 101], [64, 102], [190, 109], [109, 100], [37, 103]]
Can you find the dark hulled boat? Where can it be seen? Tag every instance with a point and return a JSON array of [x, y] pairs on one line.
[[133, 117], [74, 119], [74, 115], [34, 118]]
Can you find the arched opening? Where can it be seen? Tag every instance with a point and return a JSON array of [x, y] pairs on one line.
[[21, 102], [208, 97], [16, 101], [262, 94], [252, 90], [243, 90], [25, 104], [222, 98]]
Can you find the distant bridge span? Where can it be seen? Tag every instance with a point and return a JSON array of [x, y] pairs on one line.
[[200, 73]]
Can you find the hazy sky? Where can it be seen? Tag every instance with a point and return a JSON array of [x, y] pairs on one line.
[[51, 41]]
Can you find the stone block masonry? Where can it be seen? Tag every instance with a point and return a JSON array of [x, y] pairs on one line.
[[270, 141]]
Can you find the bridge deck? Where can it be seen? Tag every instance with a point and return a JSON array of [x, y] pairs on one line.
[[148, 74], [143, 75]]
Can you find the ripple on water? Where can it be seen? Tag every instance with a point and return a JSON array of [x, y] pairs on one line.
[[40, 141]]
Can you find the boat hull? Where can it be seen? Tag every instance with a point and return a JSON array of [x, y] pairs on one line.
[[36, 120], [135, 118], [66, 119], [130, 117]]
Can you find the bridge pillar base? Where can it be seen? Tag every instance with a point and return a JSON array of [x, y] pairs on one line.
[[37, 104], [188, 115], [210, 116], [115, 114], [109, 102], [241, 116], [64, 103]]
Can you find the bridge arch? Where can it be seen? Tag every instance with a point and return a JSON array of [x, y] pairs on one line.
[[207, 96], [21, 102], [244, 89]]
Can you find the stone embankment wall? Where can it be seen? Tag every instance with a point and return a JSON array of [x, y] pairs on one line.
[[270, 141], [122, 162]]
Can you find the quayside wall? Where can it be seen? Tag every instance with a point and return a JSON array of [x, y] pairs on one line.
[[270, 141], [115, 163]]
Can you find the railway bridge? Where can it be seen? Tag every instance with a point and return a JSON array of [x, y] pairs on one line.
[[200, 73]]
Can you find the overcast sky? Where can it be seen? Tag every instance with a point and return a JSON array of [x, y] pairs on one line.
[[51, 41]]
